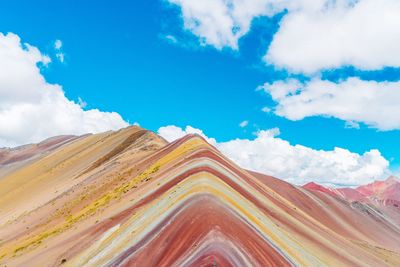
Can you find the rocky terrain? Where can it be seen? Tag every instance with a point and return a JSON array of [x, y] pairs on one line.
[[129, 198]]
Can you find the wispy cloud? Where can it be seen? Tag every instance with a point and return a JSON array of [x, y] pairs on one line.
[[59, 53], [313, 35], [243, 124]]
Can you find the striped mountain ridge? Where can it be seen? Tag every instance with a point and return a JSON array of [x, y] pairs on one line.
[[379, 193], [129, 198]]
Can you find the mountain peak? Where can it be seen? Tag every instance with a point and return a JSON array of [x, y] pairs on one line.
[[317, 187], [112, 199], [393, 178]]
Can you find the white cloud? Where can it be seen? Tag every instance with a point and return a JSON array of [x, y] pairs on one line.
[[57, 44], [221, 23], [313, 34], [172, 132], [352, 125], [269, 154], [82, 103], [243, 124], [373, 103], [171, 38], [31, 109], [266, 109], [364, 34], [59, 55]]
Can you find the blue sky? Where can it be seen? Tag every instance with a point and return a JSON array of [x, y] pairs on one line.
[[118, 58]]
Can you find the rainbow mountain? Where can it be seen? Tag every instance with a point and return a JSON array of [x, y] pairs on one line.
[[129, 198]]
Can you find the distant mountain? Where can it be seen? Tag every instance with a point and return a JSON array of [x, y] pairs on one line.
[[386, 192], [129, 198]]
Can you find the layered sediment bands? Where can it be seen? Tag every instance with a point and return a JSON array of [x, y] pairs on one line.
[[9, 156], [379, 200], [12, 159], [128, 198], [118, 149]]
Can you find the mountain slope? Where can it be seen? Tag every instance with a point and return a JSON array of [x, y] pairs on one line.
[[128, 198]]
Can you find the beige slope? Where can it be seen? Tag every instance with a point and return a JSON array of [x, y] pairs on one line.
[[42, 180]]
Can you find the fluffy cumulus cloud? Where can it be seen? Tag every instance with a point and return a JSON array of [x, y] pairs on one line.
[[269, 154], [221, 23], [353, 100], [31, 109], [364, 34], [313, 34]]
